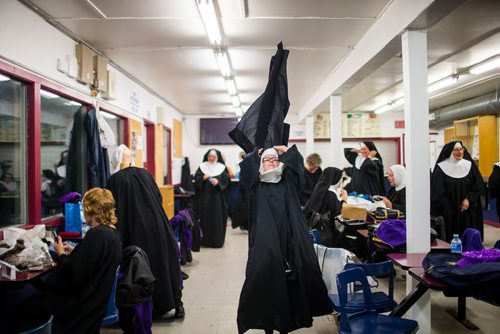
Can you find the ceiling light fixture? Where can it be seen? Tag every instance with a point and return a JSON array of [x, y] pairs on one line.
[[210, 20], [73, 103], [231, 86], [4, 78], [223, 62], [238, 111], [485, 65], [235, 100], [48, 95], [398, 102], [382, 109], [445, 82]]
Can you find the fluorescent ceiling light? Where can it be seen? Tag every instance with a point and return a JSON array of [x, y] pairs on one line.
[[440, 84], [48, 95], [398, 102], [231, 86], [235, 100], [382, 109], [73, 103], [486, 65], [210, 20], [238, 111], [223, 62], [108, 115], [4, 78]]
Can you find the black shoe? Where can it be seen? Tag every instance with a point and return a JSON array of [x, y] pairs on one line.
[[184, 275], [179, 312]]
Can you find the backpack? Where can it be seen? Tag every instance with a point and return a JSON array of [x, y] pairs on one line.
[[324, 223]]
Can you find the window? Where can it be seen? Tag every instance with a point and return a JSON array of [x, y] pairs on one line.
[[12, 152], [56, 123]]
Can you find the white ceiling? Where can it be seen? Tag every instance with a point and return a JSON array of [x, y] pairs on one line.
[[163, 43]]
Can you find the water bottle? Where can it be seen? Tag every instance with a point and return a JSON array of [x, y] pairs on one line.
[[456, 244]]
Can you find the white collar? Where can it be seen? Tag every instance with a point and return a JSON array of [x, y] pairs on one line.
[[212, 169], [271, 175], [455, 168], [335, 188], [359, 161]]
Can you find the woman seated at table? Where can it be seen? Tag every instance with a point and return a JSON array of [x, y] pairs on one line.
[[79, 287], [328, 194], [396, 196]]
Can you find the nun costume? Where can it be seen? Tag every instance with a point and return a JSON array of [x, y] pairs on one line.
[[327, 194], [368, 169], [396, 196], [211, 179], [283, 287], [456, 187]]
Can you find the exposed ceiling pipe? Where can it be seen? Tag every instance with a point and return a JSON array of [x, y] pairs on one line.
[[487, 104]]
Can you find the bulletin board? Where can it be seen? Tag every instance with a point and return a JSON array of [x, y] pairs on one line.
[[136, 141], [177, 144]]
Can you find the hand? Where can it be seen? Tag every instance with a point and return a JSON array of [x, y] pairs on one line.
[[205, 177], [214, 182], [387, 203], [372, 154], [343, 195], [281, 149], [465, 205]]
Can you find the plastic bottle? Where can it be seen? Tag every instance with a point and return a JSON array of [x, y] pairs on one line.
[[456, 244]]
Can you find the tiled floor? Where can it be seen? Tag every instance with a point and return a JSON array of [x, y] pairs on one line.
[[211, 295]]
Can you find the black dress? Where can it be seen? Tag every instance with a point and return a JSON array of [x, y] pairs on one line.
[[494, 186], [397, 198], [142, 222], [213, 210], [366, 179], [447, 194], [310, 180], [271, 298]]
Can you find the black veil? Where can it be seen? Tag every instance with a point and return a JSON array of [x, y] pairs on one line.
[[263, 125], [219, 156]]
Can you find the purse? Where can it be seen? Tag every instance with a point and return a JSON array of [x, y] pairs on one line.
[[323, 222], [385, 213]]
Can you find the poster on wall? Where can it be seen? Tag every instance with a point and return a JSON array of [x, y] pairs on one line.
[[354, 125], [177, 142]]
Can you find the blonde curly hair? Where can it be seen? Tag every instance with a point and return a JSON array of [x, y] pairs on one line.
[[99, 203]]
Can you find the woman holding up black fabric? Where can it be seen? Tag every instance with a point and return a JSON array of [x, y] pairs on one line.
[[328, 194], [456, 187], [368, 169], [283, 287], [211, 178]]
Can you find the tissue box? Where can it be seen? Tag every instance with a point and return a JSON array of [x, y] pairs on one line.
[[352, 212]]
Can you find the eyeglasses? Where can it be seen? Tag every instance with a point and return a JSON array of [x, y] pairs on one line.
[[270, 160]]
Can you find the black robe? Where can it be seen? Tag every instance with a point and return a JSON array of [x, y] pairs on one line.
[[272, 298], [310, 180], [494, 186], [80, 286], [212, 208], [142, 222], [397, 198], [366, 180], [97, 156], [447, 194]]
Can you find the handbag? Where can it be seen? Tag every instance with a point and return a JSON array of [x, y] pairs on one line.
[[384, 213], [323, 222], [73, 217]]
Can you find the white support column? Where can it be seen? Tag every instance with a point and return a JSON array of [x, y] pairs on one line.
[[414, 50], [309, 135], [336, 131]]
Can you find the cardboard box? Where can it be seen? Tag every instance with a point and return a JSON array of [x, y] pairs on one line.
[[352, 212]]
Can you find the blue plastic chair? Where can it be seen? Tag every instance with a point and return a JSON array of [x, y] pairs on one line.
[[111, 316], [315, 236], [46, 328], [383, 302], [367, 321]]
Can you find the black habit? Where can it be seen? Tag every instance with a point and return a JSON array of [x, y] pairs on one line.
[[310, 180], [322, 200], [271, 297], [369, 177], [142, 222], [448, 193], [494, 186], [397, 198], [212, 206]]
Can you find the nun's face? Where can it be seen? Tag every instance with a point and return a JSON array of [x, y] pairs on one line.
[[269, 162], [364, 151], [458, 153], [390, 177], [212, 157]]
